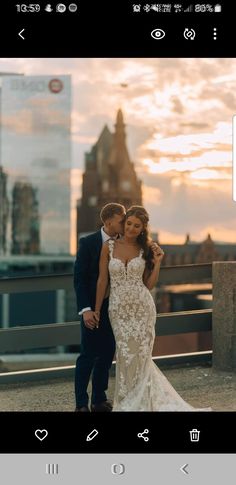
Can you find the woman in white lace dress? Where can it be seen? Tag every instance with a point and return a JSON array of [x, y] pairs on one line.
[[132, 268]]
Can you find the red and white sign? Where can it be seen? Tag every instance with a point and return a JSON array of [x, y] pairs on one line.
[[55, 85]]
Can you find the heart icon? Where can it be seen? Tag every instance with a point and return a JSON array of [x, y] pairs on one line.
[[41, 434]]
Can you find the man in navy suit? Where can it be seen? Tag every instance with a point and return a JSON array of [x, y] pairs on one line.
[[97, 344]]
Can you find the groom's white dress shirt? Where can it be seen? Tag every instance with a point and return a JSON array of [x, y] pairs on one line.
[[105, 238]]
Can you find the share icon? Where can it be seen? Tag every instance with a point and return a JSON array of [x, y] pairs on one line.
[[140, 435]]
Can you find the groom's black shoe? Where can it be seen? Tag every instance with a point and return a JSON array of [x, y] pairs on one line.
[[102, 407], [83, 409]]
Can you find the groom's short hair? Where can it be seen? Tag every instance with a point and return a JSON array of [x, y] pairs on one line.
[[109, 210]]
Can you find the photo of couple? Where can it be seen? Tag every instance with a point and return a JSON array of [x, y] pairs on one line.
[[115, 270], [97, 143]]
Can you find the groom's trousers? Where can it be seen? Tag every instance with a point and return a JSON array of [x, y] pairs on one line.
[[97, 352]]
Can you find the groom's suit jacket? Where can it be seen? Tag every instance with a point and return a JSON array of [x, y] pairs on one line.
[[86, 270]]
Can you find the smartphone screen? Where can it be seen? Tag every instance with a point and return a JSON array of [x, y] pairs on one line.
[[117, 242]]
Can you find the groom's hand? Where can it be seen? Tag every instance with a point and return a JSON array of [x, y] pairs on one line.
[[89, 319]]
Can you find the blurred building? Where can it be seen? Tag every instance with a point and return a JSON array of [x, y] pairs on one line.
[[109, 177], [4, 209], [174, 298], [191, 252], [35, 134], [187, 297], [25, 219]]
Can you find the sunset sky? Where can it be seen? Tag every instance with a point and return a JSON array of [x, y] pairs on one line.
[[178, 115]]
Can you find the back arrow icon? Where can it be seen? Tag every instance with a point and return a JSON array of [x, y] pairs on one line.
[[21, 33], [183, 468]]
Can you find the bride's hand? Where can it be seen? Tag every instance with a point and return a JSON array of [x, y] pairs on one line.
[[97, 317], [158, 253]]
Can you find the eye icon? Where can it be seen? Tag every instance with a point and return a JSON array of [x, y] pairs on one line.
[[158, 34]]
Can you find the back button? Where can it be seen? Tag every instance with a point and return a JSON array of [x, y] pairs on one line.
[[21, 34], [183, 469]]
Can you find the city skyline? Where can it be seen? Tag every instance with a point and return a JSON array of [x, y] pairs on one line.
[[178, 115]]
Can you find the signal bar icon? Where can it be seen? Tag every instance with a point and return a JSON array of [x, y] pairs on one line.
[[189, 9]]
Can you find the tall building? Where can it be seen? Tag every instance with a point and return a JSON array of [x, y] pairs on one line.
[[109, 177], [35, 116], [25, 219], [4, 209]]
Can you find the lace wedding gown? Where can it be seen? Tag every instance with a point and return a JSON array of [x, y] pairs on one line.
[[140, 385]]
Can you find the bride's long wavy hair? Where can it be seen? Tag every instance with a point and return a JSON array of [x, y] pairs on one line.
[[144, 238]]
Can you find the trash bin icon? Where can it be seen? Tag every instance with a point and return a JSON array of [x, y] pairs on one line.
[[194, 435], [218, 7]]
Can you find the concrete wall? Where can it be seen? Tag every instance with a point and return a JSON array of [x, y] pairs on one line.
[[224, 315]]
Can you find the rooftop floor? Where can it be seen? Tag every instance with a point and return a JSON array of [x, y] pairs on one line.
[[200, 386]]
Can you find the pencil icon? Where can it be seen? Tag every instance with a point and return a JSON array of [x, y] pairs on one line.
[[92, 435]]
